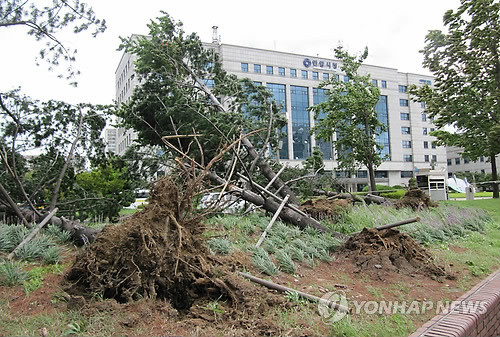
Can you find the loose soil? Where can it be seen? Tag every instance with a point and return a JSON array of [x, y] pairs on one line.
[[390, 250], [323, 208], [416, 199]]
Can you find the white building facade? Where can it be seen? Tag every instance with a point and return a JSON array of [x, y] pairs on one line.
[[458, 164], [294, 80]]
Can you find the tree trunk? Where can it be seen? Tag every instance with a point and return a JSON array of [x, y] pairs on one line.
[[494, 176], [80, 234], [267, 172], [55, 192], [287, 214], [14, 206], [371, 174]]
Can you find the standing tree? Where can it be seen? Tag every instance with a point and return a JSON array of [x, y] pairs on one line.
[[351, 115], [466, 94]]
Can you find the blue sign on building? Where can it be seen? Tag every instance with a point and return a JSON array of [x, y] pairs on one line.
[[319, 63]]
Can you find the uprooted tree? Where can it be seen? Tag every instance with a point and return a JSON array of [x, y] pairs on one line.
[[63, 137], [184, 91]]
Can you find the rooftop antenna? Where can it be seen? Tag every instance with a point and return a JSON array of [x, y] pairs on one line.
[[215, 36]]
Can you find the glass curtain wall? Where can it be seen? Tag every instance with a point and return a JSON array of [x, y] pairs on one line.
[[383, 116], [299, 97], [320, 96], [279, 93]]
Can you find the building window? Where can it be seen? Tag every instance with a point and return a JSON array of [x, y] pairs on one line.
[[256, 68], [405, 116], [269, 70], [426, 144], [481, 159], [381, 174], [433, 145], [426, 158], [466, 160], [375, 83], [326, 76], [422, 105], [448, 162], [406, 174], [407, 158], [315, 75], [293, 72], [405, 130], [424, 117], [403, 89], [407, 144], [244, 67], [281, 71], [434, 158], [403, 102], [362, 174], [383, 84], [424, 131], [303, 74], [346, 78], [432, 129], [457, 161], [428, 82]]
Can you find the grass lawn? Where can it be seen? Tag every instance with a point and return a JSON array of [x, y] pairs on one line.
[[457, 233], [454, 195], [126, 211]]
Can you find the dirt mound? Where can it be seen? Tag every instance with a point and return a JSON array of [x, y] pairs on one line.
[[324, 208], [416, 199], [392, 251]]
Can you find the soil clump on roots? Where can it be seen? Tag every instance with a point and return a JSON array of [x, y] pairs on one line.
[[416, 199], [389, 250], [322, 209], [159, 253]]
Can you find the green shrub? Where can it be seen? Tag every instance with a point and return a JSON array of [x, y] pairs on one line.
[[262, 261], [11, 273], [379, 188], [285, 261], [60, 235], [220, 246], [51, 255], [399, 194]]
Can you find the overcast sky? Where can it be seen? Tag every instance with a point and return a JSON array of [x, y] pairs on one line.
[[393, 30]]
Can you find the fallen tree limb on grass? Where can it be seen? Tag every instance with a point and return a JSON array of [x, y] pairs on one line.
[[399, 223], [396, 224], [268, 228], [287, 214], [33, 233], [281, 288]]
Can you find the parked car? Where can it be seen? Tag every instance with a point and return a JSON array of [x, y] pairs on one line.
[[229, 203]]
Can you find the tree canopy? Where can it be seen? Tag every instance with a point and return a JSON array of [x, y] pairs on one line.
[[45, 20], [173, 67], [465, 61], [350, 114]]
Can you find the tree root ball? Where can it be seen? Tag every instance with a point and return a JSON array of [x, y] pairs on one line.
[[157, 253]]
